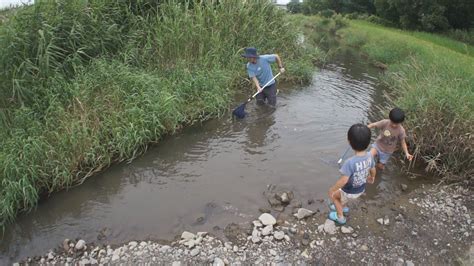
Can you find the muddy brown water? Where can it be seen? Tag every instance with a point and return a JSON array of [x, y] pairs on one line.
[[213, 174]]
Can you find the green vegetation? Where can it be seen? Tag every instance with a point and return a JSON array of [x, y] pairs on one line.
[[84, 84]]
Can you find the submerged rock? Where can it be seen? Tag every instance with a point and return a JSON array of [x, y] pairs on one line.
[[80, 245]]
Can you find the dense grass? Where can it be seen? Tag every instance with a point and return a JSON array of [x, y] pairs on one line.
[[87, 83], [433, 80]]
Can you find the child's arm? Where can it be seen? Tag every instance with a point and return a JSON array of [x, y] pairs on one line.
[[339, 184], [375, 124], [405, 149], [371, 178]]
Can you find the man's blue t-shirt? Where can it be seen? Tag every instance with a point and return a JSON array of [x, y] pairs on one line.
[[262, 69], [357, 168]]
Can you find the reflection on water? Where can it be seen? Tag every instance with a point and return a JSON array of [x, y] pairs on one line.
[[213, 174]]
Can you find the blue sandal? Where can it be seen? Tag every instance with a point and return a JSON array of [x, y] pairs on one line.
[[333, 216], [332, 207]]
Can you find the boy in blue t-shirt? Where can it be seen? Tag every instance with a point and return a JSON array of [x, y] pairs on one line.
[[355, 173], [260, 71]]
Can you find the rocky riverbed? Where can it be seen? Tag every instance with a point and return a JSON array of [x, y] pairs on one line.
[[430, 225]]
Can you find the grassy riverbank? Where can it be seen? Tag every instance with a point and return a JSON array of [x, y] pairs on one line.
[[432, 78], [85, 84]]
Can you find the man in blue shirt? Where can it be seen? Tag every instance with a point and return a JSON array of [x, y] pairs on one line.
[[260, 72]]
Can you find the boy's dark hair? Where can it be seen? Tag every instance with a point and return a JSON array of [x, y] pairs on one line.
[[359, 137], [397, 115]]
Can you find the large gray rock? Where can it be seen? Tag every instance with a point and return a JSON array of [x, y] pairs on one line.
[[330, 227], [303, 213], [267, 219]]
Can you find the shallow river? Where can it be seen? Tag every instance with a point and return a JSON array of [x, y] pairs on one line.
[[212, 174]]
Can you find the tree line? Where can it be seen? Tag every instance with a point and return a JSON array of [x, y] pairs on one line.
[[426, 15]]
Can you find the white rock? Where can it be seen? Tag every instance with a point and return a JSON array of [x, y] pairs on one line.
[[267, 219], [303, 213], [143, 244], [305, 254], [285, 198], [320, 242], [176, 263], [164, 248], [287, 238], [218, 262], [347, 230], [190, 243], [273, 252], [115, 257], [279, 235], [267, 230], [386, 221], [380, 221], [320, 228], [255, 232], [187, 235], [257, 223], [202, 234], [198, 240], [409, 263], [132, 244], [195, 252], [256, 239], [236, 248], [330, 227], [80, 245]]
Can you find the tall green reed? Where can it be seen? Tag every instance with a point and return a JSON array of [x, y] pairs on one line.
[[89, 83]]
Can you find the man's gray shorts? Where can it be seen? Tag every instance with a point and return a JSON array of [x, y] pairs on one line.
[[269, 93]]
